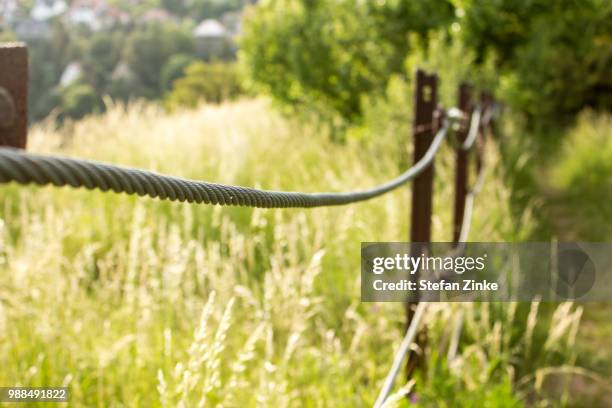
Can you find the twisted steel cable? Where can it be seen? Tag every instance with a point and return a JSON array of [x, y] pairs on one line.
[[27, 168]]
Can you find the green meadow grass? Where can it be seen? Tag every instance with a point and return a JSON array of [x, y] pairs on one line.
[[142, 303]]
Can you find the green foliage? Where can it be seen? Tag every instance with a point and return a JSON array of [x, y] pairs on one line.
[[211, 82], [174, 69], [47, 59], [560, 71], [326, 55], [583, 176], [101, 54], [557, 55], [78, 100], [148, 48], [445, 386], [387, 118], [500, 26], [177, 7], [156, 54]]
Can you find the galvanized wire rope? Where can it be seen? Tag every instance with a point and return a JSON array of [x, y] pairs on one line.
[[473, 132], [28, 168]]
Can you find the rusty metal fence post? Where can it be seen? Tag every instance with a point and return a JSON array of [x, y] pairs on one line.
[[13, 94], [425, 125], [461, 160], [425, 101]]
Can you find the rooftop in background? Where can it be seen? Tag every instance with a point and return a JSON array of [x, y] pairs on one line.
[[210, 28], [46, 9]]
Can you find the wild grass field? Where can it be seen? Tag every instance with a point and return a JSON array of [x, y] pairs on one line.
[[143, 303]]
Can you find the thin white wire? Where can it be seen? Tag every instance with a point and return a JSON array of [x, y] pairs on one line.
[[473, 132], [401, 353]]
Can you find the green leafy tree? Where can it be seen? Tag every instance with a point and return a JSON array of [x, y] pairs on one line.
[[556, 56], [150, 47], [567, 64], [327, 55], [177, 7], [48, 57], [102, 53], [78, 100], [500, 25], [174, 69], [210, 82]]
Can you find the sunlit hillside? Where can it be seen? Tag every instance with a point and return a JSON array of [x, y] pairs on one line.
[[137, 302]]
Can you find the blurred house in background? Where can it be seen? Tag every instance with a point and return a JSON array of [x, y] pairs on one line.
[[72, 73], [31, 30], [9, 10], [46, 9], [92, 14], [84, 49], [212, 40], [88, 12]]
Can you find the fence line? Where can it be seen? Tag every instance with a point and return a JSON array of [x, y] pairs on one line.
[[431, 125], [412, 330]]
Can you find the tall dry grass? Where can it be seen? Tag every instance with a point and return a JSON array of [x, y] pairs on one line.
[[138, 302]]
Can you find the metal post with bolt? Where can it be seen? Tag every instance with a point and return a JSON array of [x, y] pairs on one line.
[[427, 119], [461, 159], [13, 95]]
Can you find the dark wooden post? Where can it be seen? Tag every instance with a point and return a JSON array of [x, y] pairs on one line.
[[13, 94], [425, 124], [461, 160]]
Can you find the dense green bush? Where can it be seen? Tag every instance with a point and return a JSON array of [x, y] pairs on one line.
[[500, 25], [174, 69], [210, 82], [555, 56], [326, 56], [100, 54], [552, 58], [149, 48], [78, 100], [583, 178]]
